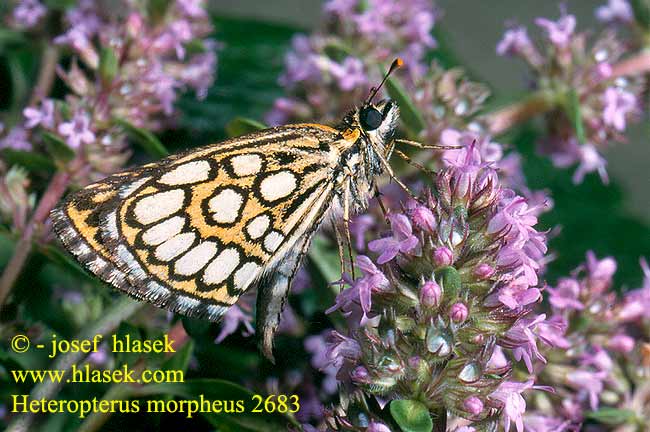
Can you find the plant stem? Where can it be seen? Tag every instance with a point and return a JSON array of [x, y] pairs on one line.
[[51, 197], [503, 119], [46, 75], [121, 309], [636, 65]]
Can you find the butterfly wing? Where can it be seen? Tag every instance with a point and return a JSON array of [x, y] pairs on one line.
[[192, 232]]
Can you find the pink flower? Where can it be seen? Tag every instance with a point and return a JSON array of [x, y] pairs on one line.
[[559, 32], [28, 13], [588, 382], [618, 104], [373, 280], [43, 116], [508, 395], [350, 74], [231, 320], [341, 348], [615, 10], [16, 139], [515, 41], [358, 228], [402, 240], [600, 272], [590, 161], [521, 338], [77, 130], [566, 295]]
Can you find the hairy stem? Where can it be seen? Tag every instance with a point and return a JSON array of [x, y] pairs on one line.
[[46, 75], [121, 309], [52, 195], [505, 118]]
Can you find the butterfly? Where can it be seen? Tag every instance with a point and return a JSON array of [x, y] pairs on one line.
[[194, 231]]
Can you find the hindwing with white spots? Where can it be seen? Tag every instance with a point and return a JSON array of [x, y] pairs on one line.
[[193, 232]]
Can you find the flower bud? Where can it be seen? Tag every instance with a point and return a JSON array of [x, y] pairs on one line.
[[473, 405], [483, 271], [423, 218], [377, 427], [621, 343], [430, 294], [360, 374], [134, 24], [442, 256], [458, 312]]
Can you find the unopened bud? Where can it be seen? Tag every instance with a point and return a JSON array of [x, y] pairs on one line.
[[621, 343], [442, 256], [430, 294], [458, 312], [360, 374], [473, 405], [483, 271]]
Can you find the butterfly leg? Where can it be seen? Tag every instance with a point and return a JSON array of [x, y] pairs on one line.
[[338, 235], [413, 163], [426, 146], [393, 177], [346, 227]]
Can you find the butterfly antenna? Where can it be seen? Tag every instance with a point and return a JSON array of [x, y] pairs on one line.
[[397, 63]]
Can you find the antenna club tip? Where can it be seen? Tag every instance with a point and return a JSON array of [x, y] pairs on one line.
[[398, 62]]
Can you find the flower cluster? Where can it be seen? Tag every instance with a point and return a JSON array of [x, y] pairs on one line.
[[330, 71], [130, 73], [589, 105], [601, 363], [450, 296]]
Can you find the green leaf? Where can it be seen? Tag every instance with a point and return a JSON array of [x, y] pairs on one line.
[[411, 416], [449, 279], [29, 160], [58, 148], [225, 391], [247, 78], [641, 9], [242, 125], [408, 112], [144, 138], [326, 259], [611, 416], [180, 359], [575, 115], [108, 64]]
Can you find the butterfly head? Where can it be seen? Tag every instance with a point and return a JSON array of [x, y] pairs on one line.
[[377, 122]]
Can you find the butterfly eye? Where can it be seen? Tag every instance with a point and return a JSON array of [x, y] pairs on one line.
[[370, 118]]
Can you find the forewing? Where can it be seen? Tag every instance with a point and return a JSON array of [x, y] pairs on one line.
[[193, 232]]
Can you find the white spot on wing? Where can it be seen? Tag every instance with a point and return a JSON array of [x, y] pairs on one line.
[[221, 267], [174, 246], [245, 165], [154, 207], [186, 173], [225, 206], [278, 185], [272, 241], [129, 188], [163, 231], [196, 258], [257, 226], [245, 275]]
